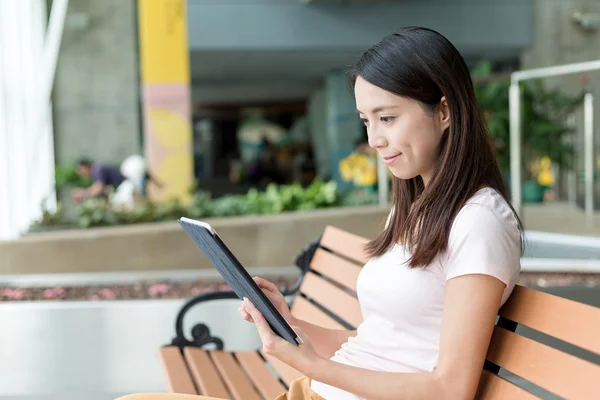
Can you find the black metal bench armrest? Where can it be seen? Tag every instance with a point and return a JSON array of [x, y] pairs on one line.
[[303, 261], [200, 332]]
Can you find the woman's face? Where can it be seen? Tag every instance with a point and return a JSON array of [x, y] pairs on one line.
[[402, 131]]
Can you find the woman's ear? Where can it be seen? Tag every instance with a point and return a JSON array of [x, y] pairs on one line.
[[444, 114]]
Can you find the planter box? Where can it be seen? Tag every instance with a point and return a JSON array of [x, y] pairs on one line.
[[258, 241]]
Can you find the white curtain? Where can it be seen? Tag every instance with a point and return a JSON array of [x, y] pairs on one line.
[[27, 63]]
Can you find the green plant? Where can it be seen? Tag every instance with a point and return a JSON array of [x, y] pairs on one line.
[[66, 174], [95, 212], [275, 199], [360, 197], [49, 217], [544, 112], [169, 210]]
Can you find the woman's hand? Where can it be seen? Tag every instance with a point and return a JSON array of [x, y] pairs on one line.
[[302, 357], [275, 296]]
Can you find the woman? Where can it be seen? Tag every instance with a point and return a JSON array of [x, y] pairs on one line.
[[448, 257]]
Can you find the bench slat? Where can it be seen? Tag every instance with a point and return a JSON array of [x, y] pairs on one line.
[[337, 269], [493, 387], [305, 310], [205, 374], [177, 375], [560, 373], [236, 380], [332, 298], [345, 244], [255, 367], [568, 320], [285, 372]]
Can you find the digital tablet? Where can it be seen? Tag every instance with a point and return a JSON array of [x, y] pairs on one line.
[[236, 275]]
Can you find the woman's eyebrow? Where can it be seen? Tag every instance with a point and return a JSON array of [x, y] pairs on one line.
[[378, 109]]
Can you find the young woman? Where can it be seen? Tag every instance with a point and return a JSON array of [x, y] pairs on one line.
[[448, 257]]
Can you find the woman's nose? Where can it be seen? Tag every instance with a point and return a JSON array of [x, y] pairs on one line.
[[377, 141]]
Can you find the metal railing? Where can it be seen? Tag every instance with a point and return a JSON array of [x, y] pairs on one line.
[[515, 128]]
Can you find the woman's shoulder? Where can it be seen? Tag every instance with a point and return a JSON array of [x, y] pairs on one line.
[[485, 205]]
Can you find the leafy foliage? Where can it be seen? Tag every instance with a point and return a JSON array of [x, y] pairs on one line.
[[275, 199], [544, 114], [66, 174]]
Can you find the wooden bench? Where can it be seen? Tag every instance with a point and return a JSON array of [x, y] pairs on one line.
[[325, 294]]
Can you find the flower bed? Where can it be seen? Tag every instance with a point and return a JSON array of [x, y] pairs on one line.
[[186, 289], [132, 291], [274, 200]]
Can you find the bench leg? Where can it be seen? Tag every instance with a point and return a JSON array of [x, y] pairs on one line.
[[165, 396]]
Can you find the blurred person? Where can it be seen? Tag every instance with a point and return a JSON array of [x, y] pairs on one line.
[[103, 176], [134, 186], [128, 183], [447, 259]]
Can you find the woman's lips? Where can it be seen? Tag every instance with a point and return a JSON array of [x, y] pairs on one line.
[[390, 160]]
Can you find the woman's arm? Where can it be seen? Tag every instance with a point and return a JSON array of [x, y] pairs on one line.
[[470, 308], [325, 341]]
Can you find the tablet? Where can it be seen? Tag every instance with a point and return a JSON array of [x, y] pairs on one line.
[[236, 275]]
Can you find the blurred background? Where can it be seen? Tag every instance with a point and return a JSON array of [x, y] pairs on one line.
[[119, 116]]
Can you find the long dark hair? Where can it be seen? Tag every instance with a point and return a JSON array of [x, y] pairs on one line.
[[421, 64]]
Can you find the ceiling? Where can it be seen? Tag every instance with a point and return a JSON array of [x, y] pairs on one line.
[[214, 66], [344, 2], [237, 76]]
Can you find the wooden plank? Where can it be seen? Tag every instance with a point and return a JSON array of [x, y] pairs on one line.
[[267, 385], [345, 244], [493, 387], [567, 320], [236, 380], [285, 372], [560, 373], [333, 298], [205, 374], [305, 310], [178, 377], [335, 268]]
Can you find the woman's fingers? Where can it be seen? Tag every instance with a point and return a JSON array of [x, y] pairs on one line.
[[264, 330], [244, 314], [265, 284]]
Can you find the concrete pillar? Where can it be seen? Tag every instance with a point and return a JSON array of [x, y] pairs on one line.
[[165, 77], [96, 94]]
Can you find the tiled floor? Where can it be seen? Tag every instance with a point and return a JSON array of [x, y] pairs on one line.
[[98, 351], [560, 217]]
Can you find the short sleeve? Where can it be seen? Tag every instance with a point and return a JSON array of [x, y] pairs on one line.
[[100, 174], [482, 243]]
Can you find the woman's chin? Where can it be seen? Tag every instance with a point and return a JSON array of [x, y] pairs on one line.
[[403, 174]]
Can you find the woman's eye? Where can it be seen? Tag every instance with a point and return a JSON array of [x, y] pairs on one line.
[[386, 120], [365, 121]]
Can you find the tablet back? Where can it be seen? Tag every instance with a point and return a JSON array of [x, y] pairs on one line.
[[236, 275]]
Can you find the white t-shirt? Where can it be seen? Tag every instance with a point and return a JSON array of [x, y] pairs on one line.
[[402, 307]]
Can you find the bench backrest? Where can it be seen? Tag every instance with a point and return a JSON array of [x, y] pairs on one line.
[[328, 298], [328, 291]]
